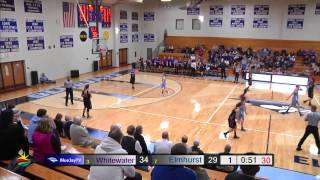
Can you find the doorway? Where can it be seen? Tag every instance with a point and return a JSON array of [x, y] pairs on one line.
[[149, 53], [106, 60], [123, 56], [12, 75]]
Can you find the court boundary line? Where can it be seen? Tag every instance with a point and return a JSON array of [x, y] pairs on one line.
[[315, 97], [222, 103], [209, 123], [268, 139]]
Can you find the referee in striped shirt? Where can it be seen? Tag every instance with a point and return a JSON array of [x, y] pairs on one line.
[[313, 119], [68, 84]]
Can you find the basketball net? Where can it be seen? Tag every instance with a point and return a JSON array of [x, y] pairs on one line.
[[102, 49]]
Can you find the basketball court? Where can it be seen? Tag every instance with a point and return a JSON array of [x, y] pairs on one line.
[[196, 107]]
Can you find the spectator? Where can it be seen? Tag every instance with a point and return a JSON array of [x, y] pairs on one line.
[[67, 126], [59, 124], [79, 134], [112, 145], [200, 172], [184, 140], [195, 147], [44, 141], [12, 136], [163, 146], [129, 143], [34, 123], [246, 172], [138, 136], [174, 172], [17, 118], [45, 79]]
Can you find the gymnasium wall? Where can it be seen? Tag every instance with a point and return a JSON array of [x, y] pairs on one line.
[[55, 62], [134, 48], [167, 13]]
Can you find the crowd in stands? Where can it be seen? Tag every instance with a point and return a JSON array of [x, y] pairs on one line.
[[221, 58], [310, 58]]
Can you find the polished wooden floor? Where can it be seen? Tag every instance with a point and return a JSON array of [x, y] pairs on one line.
[[197, 108]]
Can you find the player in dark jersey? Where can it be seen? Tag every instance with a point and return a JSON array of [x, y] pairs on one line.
[[232, 122], [310, 90], [133, 77]]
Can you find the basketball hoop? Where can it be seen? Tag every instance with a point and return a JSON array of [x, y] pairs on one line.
[[99, 46], [103, 51]]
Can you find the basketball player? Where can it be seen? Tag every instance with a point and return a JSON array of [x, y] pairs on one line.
[[295, 100], [234, 115], [68, 84], [310, 90], [164, 84], [237, 70], [250, 76], [242, 111], [86, 95], [133, 77]]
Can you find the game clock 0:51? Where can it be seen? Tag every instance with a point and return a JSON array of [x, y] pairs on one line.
[[246, 160], [255, 160]]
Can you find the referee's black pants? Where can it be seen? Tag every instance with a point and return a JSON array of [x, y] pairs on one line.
[[236, 77], [69, 91], [311, 130], [223, 74]]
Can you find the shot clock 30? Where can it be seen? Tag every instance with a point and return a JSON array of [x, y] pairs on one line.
[[261, 159]]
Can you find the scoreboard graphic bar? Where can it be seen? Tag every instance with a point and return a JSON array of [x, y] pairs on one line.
[[153, 160]]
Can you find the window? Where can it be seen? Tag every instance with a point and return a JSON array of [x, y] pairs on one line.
[[135, 28], [196, 25], [179, 24], [134, 16]]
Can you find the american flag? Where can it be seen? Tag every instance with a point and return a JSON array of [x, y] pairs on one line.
[[68, 14]]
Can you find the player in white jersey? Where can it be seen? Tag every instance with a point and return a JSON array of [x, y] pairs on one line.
[[164, 84]]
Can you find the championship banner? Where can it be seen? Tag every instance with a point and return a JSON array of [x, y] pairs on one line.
[[8, 25], [193, 11], [135, 28], [215, 22], [123, 14], [34, 26], [66, 41], [7, 5], [33, 6], [295, 24], [135, 37], [296, 9], [260, 23], [123, 27], [238, 9], [237, 22], [216, 10], [123, 38], [35, 43], [105, 16], [90, 15], [261, 9], [135, 16], [317, 12], [9, 44], [148, 37], [148, 16], [93, 32]]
